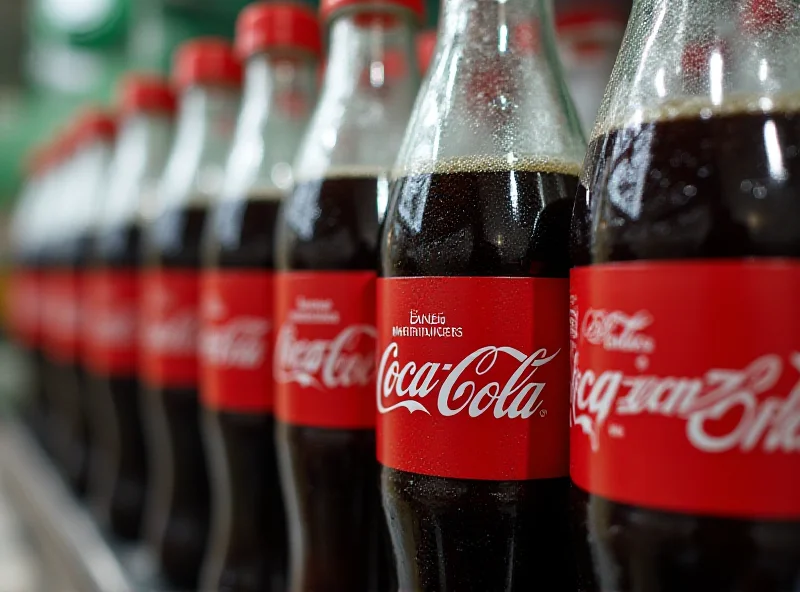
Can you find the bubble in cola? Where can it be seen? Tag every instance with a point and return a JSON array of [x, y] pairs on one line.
[[147, 105], [280, 45], [208, 77], [473, 375], [685, 408], [324, 363]]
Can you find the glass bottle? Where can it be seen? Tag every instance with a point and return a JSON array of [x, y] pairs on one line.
[[685, 413], [473, 374]]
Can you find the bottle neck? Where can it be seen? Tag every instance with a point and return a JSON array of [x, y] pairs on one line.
[[370, 52], [205, 126], [703, 56], [279, 95], [273, 81], [202, 110], [138, 162], [367, 94], [495, 90]]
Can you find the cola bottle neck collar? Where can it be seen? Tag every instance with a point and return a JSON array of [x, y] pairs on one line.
[[384, 49], [268, 75], [200, 104], [145, 140]]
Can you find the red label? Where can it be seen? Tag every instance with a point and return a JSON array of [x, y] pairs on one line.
[[236, 340], [686, 386], [61, 316], [170, 327], [473, 377], [324, 364], [111, 303], [25, 306]]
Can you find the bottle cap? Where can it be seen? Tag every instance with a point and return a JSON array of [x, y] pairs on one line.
[[93, 124], [207, 60], [146, 93], [281, 25]]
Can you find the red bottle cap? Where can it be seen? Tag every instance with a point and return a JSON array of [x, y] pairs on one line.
[[328, 7], [146, 93], [269, 25], [93, 124], [208, 60]]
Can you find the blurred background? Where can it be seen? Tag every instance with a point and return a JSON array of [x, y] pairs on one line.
[[58, 54]]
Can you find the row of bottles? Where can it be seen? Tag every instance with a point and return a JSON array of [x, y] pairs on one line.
[[374, 341]]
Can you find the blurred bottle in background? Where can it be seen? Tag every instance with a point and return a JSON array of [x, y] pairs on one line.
[[147, 105], [426, 43], [209, 77], [75, 191], [281, 45], [25, 289], [589, 35], [324, 362], [94, 146]]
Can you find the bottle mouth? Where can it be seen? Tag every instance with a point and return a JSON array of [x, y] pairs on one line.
[[277, 27], [373, 12], [207, 61]]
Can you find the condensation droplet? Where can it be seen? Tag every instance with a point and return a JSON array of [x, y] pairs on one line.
[[690, 191], [746, 186], [760, 192], [703, 172]]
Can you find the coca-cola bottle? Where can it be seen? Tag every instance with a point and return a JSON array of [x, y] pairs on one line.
[[47, 204], [684, 324], [94, 145], [324, 363], [24, 291], [208, 77], [473, 370], [147, 106], [76, 198], [280, 44]]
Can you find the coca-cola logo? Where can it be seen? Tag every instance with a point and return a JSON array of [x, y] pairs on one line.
[[171, 329], [64, 313], [470, 385], [724, 409], [347, 360], [113, 327], [617, 331], [174, 335], [239, 343]]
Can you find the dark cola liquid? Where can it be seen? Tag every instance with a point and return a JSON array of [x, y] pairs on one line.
[[701, 189], [248, 548], [330, 476], [180, 498], [119, 420], [475, 219]]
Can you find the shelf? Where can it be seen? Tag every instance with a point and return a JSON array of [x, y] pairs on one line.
[[64, 533]]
